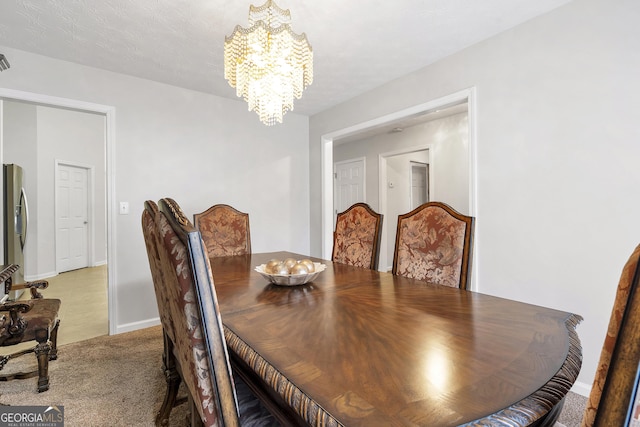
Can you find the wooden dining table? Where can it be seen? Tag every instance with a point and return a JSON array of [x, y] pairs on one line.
[[358, 347]]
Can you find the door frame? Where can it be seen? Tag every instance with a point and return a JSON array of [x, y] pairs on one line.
[[109, 141], [326, 152], [90, 211]]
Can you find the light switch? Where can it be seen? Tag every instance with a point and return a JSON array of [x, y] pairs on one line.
[[124, 208]]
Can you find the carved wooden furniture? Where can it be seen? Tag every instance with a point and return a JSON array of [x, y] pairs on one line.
[[198, 348], [359, 347], [612, 389], [225, 230], [434, 243], [23, 321], [163, 295], [356, 239]]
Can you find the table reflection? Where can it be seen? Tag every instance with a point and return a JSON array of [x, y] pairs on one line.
[[307, 294]]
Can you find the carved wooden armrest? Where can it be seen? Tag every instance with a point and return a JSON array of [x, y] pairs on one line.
[[33, 287], [5, 276], [16, 323]]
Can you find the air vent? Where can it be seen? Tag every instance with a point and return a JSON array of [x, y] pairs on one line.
[[4, 64]]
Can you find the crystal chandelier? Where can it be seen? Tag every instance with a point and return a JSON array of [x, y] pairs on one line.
[[268, 63]]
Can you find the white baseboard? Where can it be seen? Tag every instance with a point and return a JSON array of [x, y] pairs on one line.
[[40, 276], [55, 273], [134, 326], [581, 388]]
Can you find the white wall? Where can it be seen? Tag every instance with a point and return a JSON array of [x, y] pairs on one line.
[[557, 156], [450, 161], [197, 148]]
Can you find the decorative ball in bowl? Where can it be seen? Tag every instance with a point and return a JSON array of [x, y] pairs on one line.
[[290, 272]]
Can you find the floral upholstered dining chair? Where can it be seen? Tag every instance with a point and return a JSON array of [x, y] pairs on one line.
[[216, 398], [612, 393], [356, 240], [164, 295], [434, 244], [225, 230]]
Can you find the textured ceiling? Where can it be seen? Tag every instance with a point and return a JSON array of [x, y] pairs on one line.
[[358, 45]]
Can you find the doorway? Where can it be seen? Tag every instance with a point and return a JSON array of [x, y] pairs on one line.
[[464, 98], [103, 204]]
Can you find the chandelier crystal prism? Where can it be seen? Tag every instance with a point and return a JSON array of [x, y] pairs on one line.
[[268, 64]]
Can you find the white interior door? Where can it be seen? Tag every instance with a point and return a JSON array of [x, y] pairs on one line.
[[72, 213], [348, 184]]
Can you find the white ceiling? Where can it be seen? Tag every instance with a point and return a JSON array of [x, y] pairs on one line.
[[358, 45]]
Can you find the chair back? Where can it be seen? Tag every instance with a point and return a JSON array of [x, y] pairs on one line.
[[612, 393], [356, 239], [434, 243], [151, 241], [225, 230], [199, 344]]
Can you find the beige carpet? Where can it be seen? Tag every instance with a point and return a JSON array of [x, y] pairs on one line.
[[118, 381], [105, 381], [572, 411]]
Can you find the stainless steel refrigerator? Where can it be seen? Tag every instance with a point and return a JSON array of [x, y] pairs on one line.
[[16, 218]]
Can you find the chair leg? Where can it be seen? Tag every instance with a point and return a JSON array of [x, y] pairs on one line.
[[54, 341], [173, 383], [167, 350], [42, 353], [45, 350], [170, 397]]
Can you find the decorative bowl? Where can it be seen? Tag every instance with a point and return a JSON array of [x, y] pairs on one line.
[[291, 279]]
